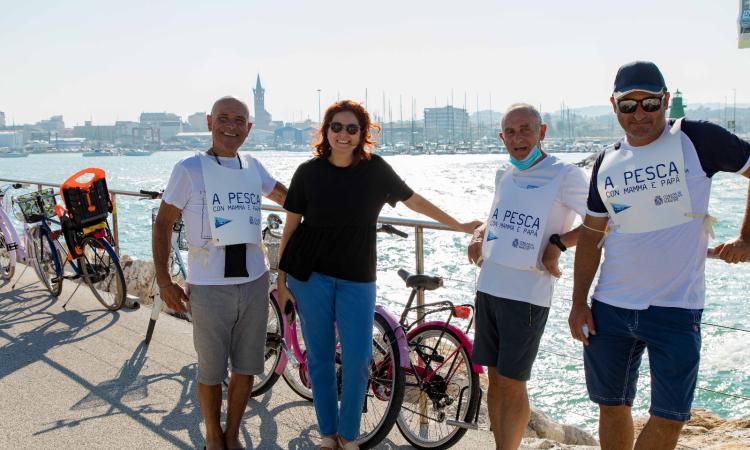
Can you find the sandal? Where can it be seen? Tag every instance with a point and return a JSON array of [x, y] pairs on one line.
[[329, 442], [351, 445]]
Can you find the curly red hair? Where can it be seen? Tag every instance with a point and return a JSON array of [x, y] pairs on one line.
[[366, 141]]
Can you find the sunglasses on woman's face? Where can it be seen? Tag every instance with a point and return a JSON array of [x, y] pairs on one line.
[[352, 128], [649, 104]]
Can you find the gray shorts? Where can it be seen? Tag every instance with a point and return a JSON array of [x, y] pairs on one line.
[[229, 321], [507, 335]]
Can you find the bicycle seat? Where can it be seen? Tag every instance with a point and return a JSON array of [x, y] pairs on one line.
[[425, 282]]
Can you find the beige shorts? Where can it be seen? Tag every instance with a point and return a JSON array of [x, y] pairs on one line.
[[229, 322]]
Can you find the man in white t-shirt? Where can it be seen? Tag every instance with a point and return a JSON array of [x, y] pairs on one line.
[[536, 200], [648, 203], [218, 193]]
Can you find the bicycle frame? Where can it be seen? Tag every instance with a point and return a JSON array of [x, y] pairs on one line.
[[16, 247], [465, 341], [448, 306]]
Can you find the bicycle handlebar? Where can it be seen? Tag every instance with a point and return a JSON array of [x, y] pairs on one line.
[[153, 194], [390, 229]]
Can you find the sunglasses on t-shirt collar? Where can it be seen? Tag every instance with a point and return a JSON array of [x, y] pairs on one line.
[[351, 128], [648, 104]]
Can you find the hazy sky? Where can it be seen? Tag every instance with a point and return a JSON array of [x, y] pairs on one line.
[[85, 59]]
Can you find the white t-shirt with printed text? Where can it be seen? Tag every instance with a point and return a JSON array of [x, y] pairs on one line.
[[533, 286], [186, 191]]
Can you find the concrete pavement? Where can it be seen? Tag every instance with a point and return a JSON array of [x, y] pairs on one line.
[[81, 378]]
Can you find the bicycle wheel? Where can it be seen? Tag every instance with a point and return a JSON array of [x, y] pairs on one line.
[[46, 260], [7, 262], [433, 389], [274, 337], [385, 388], [298, 377], [100, 268]]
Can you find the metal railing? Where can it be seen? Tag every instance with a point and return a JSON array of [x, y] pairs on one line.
[[419, 226]]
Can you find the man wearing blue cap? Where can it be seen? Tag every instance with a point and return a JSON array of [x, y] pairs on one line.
[[648, 205]]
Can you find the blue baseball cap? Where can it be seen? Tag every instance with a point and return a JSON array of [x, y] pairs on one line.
[[641, 76]]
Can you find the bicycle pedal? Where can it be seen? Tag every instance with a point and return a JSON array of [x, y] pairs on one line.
[[72, 277], [462, 424], [55, 280]]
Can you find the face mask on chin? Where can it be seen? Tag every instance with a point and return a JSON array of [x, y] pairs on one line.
[[523, 164]]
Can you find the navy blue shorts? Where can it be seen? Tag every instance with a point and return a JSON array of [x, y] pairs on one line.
[[612, 358], [507, 335]]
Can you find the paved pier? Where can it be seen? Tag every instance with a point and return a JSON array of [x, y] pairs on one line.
[[81, 378]]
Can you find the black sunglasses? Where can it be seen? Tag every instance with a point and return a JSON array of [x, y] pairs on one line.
[[649, 104], [352, 128]]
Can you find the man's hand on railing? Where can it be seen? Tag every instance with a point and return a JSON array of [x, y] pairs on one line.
[[475, 245]]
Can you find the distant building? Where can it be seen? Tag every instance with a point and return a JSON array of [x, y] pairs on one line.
[[262, 117], [124, 129], [163, 124], [91, 132], [54, 123], [12, 139], [2, 119], [197, 122], [446, 124]]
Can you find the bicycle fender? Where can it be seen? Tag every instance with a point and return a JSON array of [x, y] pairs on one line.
[[465, 341], [403, 343]]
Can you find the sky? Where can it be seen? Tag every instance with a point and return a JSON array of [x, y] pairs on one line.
[[107, 61]]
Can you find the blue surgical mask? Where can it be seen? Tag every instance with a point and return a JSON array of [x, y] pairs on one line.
[[522, 164]]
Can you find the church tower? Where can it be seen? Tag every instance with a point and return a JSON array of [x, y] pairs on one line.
[[262, 117]]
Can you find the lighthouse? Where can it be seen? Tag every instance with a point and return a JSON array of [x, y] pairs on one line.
[[677, 109]]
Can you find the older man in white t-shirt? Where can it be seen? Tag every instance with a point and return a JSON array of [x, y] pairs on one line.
[[218, 193], [536, 200]]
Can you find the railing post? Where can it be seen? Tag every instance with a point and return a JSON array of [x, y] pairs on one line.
[[116, 230], [419, 254]]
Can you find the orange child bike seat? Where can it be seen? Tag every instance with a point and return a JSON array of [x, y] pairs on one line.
[[72, 182]]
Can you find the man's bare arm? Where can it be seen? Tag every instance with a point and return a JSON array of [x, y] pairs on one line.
[[278, 195], [161, 247], [588, 256]]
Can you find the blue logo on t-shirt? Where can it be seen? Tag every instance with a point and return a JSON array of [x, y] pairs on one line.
[[491, 237], [220, 222], [619, 208], [515, 243]]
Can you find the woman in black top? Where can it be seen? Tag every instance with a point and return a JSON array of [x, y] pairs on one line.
[[330, 258]]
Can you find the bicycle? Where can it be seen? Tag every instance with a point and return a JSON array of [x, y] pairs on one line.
[[441, 378], [89, 248], [286, 357], [36, 246], [177, 265]]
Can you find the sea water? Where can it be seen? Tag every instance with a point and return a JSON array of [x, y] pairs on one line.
[[463, 185]]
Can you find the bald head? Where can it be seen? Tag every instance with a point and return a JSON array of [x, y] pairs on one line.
[[521, 108], [229, 124], [228, 100]]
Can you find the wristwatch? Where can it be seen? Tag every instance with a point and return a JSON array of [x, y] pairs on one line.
[[555, 239]]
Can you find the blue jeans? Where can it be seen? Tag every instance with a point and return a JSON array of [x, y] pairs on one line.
[[326, 304], [613, 356]]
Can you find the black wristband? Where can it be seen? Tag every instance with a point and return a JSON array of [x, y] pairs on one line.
[[555, 239]]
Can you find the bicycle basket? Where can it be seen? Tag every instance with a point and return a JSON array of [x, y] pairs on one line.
[[88, 202], [272, 241], [178, 227], [28, 210]]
